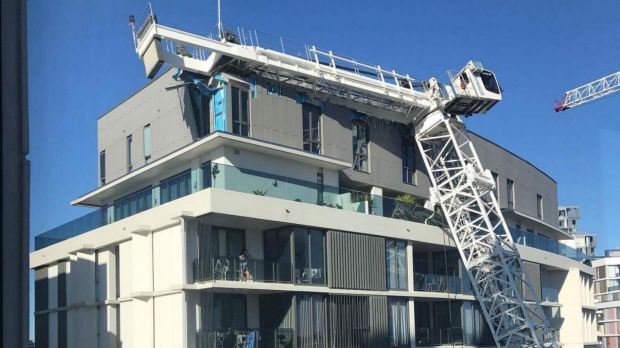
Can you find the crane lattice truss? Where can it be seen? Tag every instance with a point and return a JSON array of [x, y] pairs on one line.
[[590, 92], [474, 217], [465, 193]]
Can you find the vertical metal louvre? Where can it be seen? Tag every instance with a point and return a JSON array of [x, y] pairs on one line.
[[358, 321], [356, 261]]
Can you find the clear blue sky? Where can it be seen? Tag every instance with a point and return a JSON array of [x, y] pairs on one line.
[[82, 63]]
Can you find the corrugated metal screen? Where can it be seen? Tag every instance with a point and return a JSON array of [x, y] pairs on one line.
[[356, 261], [358, 321]]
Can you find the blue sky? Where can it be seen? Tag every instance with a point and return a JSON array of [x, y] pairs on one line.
[[82, 63]]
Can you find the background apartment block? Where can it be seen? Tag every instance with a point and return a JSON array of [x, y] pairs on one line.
[[607, 297], [327, 198], [584, 243]]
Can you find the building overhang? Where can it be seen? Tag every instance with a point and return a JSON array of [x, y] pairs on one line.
[[552, 231], [143, 176]]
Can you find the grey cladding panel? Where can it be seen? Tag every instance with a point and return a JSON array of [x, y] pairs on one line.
[[356, 261], [168, 112]]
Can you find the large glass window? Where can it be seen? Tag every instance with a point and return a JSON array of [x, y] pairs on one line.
[[360, 145], [311, 123], [396, 263], [311, 321], [133, 203], [398, 322], [277, 250], [510, 193], [175, 187], [239, 105], [229, 311], [408, 158], [309, 256]]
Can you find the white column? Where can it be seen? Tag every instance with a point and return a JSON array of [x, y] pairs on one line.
[[410, 270], [52, 301], [142, 288], [412, 333]]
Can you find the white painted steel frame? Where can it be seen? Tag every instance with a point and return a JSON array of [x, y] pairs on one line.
[[323, 76], [473, 214], [590, 92], [465, 193]]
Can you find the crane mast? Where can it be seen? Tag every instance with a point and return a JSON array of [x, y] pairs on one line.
[[589, 92], [460, 185]]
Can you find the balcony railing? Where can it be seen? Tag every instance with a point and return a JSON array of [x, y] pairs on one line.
[[550, 294], [539, 242], [439, 336], [258, 183], [233, 269], [439, 283], [245, 338]]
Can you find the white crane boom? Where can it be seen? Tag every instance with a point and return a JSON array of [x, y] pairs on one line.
[[460, 185], [589, 92]]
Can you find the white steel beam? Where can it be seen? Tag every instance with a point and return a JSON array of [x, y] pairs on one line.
[[590, 92], [464, 190]]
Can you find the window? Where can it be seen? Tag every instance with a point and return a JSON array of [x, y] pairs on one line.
[[396, 263], [398, 322], [510, 192], [489, 82], [539, 206], [229, 311], [133, 203], [102, 167], [311, 124], [240, 119], [496, 182], [146, 132], [408, 158], [175, 187], [360, 145], [309, 254], [129, 165], [200, 107]]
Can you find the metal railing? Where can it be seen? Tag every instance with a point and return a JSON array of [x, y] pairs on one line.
[[234, 269], [245, 338], [553, 246], [426, 336], [432, 282]]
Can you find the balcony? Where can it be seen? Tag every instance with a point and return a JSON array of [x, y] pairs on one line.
[[246, 338], [550, 294], [232, 269], [547, 244], [431, 282], [439, 336], [249, 181]]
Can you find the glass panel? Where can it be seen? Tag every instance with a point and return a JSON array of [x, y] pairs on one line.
[[390, 263], [302, 256], [317, 272], [402, 264], [244, 107]]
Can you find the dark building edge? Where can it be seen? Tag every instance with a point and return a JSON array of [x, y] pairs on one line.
[[15, 175]]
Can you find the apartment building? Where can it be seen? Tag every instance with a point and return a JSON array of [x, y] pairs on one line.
[[568, 216], [607, 297], [256, 214]]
